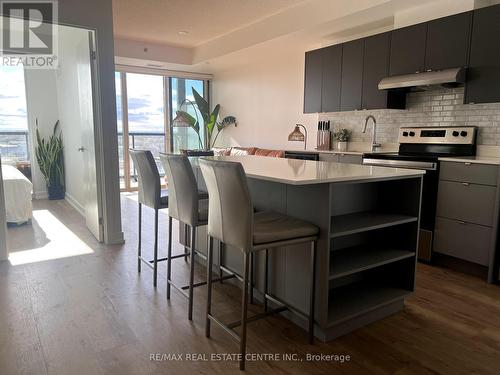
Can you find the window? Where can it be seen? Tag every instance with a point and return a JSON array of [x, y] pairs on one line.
[[142, 120], [181, 96], [13, 114]]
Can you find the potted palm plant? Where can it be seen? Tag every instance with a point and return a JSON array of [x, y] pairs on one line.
[[211, 119], [49, 156]]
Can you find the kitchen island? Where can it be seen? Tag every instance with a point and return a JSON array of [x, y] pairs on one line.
[[368, 219]]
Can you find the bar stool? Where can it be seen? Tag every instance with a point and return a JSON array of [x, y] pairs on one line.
[[232, 220], [150, 195], [184, 206]]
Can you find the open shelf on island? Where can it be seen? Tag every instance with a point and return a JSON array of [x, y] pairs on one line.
[[352, 300], [344, 225], [354, 259]]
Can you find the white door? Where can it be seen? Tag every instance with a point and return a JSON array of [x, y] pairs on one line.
[[86, 86]]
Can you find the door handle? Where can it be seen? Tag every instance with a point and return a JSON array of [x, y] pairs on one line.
[[81, 149]]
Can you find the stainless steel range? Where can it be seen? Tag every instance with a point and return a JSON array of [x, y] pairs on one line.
[[420, 148]]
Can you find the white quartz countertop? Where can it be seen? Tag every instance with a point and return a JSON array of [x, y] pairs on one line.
[[493, 160], [306, 172]]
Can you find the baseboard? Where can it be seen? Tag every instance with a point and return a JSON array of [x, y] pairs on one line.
[[40, 195], [74, 203], [114, 238]]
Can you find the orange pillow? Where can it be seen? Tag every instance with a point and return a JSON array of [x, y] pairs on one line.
[[262, 152], [277, 154], [242, 151]]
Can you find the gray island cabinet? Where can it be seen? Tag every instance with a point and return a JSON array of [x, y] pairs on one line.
[[368, 219]]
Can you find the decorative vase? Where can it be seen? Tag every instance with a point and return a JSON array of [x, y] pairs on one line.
[[55, 192], [342, 146]]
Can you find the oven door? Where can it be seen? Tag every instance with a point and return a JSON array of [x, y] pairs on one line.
[[429, 198]]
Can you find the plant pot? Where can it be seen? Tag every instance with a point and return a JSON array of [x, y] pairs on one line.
[[341, 146], [55, 192]]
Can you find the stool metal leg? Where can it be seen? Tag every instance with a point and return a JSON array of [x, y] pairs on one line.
[[252, 261], [169, 256], [191, 272], [244, 310], [221, 273], [266, 279], [209, 285], [186, 239], [139, 230], [155, 259], [312, 292]]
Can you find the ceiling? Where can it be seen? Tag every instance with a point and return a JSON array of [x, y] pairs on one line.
[[160, 21]]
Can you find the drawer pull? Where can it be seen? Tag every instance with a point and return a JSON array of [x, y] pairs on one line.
[[465, 184], [462, 223], [467, 163]]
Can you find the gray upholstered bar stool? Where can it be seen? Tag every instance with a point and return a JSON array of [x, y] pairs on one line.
[[184, 206], [232, 220], [150, 195]]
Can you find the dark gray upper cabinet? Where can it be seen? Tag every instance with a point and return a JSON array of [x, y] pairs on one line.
[[408, 50], [376, 67], [448, 42], [313, 81], [483, 77], [332, 73], [352, 75]]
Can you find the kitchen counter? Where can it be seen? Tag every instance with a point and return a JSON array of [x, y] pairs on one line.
[[307, 172], [367, 243]]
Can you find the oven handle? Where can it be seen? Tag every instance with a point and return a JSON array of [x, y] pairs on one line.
[[429, 166]]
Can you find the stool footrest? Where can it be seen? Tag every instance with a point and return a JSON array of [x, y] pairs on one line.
[[231, 332], [172, 257], [146, 262], [178, 288], [201, 283], [258, 316], [279, 302]]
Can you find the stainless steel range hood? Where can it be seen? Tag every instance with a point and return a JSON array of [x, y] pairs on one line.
[[447, 77]]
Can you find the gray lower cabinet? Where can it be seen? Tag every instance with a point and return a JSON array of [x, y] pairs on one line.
[[467, 213], [462, 240], [329, 157], [350, 159], [342, 158], [466, 202], [481, 174]]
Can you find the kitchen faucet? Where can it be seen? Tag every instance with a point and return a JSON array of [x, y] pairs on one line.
[[375, 145]]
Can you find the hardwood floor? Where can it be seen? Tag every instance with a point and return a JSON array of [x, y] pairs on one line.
[[91, 313]]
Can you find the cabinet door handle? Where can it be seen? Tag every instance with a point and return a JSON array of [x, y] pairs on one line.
[[462, 223], [465, 184], [467, 163]]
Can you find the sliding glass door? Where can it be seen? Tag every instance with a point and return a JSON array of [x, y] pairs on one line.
[[146, 105]]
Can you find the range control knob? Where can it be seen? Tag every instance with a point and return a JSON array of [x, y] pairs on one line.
[[455, 133], [405, 134], [412, 134], [463, 133]]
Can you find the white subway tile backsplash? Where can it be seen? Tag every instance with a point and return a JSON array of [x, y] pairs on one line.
[[435, 107]]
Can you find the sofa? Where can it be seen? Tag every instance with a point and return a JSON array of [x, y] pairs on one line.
[[241, 151]]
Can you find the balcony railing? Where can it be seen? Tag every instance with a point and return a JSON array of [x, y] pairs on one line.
[[15, 144], [153, 141]]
